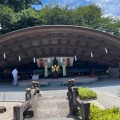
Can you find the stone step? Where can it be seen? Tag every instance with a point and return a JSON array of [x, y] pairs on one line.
[[55, 83], [57, 118], [52, 97]]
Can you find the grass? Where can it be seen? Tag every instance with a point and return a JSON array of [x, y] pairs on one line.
[[86, 93]]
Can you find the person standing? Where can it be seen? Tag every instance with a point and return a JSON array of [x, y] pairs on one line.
[[15, 76]]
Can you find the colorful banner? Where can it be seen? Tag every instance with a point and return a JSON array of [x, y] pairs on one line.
[[68, 61]]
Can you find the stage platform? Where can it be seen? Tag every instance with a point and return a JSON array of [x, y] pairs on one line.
[[59, 81]]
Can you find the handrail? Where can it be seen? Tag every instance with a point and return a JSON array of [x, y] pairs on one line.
[[27, 108], [75, 102]]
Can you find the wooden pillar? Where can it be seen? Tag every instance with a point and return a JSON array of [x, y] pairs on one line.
[[17, 113], [119, 68], [27, 94], [2, 109], [74, 103], [85, 110], [92, 73]]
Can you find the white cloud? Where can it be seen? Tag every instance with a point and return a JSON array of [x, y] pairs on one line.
[[108, 6], [113, 16]]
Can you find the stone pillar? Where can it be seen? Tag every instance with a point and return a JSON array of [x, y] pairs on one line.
[[64, 69], [27, 94], [71, 83], [33, 85], [46, 69], [76, 92], [37, 84], [37, 87]]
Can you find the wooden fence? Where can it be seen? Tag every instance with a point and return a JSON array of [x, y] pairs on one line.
[[28, 107], [75, 103]]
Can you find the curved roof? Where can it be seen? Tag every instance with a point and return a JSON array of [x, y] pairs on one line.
[[50, 41]]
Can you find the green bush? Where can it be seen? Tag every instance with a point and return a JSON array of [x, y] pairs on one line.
[[86, 93], [107, 114]]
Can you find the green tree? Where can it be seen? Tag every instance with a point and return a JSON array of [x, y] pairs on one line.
[[109, 24], [18, 5], [54, 14], [91, 16], [27, 18], [7, 18], [87, 16]]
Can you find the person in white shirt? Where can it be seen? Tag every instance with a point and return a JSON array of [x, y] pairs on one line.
[[15, 76]]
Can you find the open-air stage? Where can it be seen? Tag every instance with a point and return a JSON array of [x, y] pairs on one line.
[[59, 81]]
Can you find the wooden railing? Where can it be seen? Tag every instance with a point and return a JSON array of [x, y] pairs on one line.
[[75, 103], [28, 107]]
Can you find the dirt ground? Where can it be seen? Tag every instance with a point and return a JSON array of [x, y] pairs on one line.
[[8, 115]]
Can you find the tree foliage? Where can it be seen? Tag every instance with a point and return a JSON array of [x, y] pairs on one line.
[[27, 18], [55, 15], [13, 17], [87, 16], [18, 5], [7, 18]]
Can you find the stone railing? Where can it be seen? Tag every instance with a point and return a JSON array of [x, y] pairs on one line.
[[28, 107], [75, 103]]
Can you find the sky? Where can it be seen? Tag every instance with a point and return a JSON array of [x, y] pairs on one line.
[[109, 7]]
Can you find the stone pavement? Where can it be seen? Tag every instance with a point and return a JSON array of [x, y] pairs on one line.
[[107, 89], [53, 104], [53, 108], [108, 100]]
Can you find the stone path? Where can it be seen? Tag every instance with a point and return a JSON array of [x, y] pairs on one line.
[[54, 107], [108, 100], [106, 88], [11, 93]]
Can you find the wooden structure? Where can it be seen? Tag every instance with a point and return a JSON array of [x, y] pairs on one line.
[[2, 109], [75, 103], [28, 107], [49, 41]]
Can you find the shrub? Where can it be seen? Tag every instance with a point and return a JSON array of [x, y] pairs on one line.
[[86, 93], [107, 114]]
